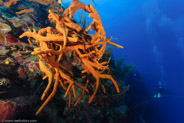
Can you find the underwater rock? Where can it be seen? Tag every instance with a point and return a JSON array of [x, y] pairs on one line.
[[23, 100], [4, 85], [6, 12], [5, 28], [13, 108], [6, 70], [8, 110], [1, 39], [21, 72], [3, 52], [16, 22], [32, 66], [5, 82], [10, 38], [122, 110]]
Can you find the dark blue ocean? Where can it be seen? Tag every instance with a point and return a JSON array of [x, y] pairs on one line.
[[152, 33]]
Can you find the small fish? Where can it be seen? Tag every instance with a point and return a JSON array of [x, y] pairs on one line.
[[1, 45], [7, 62], [35, 19]]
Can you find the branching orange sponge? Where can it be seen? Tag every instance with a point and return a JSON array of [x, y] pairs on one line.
[[67, 36], [25, 11], [10, 2]]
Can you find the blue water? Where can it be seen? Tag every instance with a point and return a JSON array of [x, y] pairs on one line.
[[152, 33]]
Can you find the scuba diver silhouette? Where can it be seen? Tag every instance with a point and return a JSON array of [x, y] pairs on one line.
[[161, 93], [161, 90]]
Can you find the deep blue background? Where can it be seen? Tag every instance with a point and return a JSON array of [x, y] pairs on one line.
[[152, 33]]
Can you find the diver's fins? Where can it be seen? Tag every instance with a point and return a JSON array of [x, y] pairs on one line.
[[157, 95]]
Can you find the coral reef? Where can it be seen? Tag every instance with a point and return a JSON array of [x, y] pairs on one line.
[[25, 11], [8, 110], [70, 37], [69, 54], [10, 3]]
